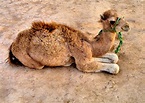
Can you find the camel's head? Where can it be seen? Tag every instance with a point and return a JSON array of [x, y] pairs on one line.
[[111, 20]]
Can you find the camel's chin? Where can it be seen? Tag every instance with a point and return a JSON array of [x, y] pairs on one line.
[[125, 28]]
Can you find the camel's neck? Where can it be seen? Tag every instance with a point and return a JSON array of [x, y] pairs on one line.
[[103, 44]]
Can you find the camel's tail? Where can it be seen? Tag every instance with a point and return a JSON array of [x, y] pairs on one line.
[[13, 59]]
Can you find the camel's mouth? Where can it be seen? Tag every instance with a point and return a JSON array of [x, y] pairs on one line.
[[122, 25], [125, 27]]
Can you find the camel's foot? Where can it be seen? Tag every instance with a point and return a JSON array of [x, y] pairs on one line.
[[108, 58], [110, 68]]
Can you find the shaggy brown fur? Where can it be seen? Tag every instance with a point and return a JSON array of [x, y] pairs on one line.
[[109, 14], [53, 44]]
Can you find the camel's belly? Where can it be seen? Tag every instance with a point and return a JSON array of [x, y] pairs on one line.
[[51, 50]]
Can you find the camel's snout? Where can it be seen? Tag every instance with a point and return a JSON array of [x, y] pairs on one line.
[[125, 27]]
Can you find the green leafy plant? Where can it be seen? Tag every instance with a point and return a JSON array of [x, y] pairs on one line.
[[120, 42]]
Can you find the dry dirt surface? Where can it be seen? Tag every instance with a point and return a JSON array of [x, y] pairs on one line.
[[67, 84]]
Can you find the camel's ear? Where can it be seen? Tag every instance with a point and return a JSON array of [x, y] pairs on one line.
[[102, 17]]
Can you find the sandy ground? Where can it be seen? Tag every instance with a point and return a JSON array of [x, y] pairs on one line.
[[67, 84]]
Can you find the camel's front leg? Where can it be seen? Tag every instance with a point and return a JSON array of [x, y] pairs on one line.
[[86, 63], [108, 58], [110, 68], [108, 63], [94, 66]]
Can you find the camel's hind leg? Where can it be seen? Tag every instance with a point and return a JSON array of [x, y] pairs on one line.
[[26, 60], [86, 63], [19, 51]]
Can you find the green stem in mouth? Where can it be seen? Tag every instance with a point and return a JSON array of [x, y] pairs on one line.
[[116, 23]]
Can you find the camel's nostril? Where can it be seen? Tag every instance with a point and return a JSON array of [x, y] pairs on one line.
[[125, 27], [112, 22]]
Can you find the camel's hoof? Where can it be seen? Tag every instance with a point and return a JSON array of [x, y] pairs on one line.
[[111, 68], [112, 57]]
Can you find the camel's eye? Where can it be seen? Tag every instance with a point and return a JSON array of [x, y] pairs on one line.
[[112, 22]]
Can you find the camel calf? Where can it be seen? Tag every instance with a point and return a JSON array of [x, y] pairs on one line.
[[53, 44]]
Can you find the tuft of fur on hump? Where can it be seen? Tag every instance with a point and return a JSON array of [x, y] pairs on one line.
[[39, 25]]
